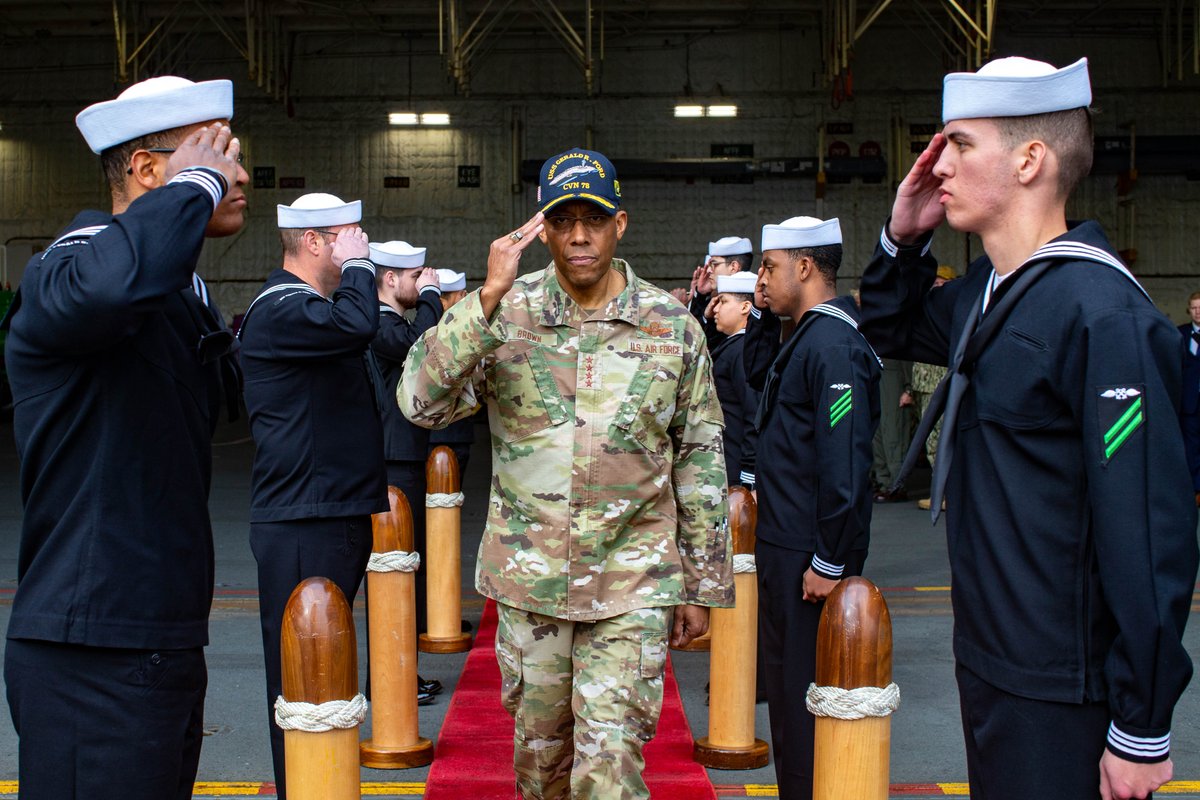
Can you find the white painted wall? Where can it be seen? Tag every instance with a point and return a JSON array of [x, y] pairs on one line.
[[339, 141]]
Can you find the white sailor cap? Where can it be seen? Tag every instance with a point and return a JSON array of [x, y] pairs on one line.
[[1015, 87], [319, 210], [397, 255], [730, 246], [451, 281], [801, 232], [153, 105], [737, 283]]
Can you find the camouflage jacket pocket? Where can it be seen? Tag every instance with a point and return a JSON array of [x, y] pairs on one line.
[[646, 413], [526, 395]]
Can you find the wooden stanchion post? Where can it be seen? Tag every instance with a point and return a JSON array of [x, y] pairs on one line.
[[854, 652], [320, 668], [395, 742], [443, 556], [730, 743]]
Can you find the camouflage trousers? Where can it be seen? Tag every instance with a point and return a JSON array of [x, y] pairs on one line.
[[921, 401], [585, 696]]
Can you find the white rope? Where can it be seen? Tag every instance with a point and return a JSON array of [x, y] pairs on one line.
[[742, 563], [394, 561], [866, 701], [336, 714], [438, 500]]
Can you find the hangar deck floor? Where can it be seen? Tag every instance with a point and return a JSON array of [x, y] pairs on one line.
[[907, 561]]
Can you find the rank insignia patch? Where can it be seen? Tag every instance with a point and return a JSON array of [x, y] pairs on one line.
[[842, 403], [1122, 412]]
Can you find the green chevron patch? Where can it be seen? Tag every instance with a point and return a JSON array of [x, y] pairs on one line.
[[1122, 412], [841, 406]]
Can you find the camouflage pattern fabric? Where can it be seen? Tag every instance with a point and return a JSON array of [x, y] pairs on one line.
[[925, 378], [608, 485], [607, 674]]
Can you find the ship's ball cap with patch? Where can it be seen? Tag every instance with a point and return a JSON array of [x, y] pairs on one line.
[[579, 175]]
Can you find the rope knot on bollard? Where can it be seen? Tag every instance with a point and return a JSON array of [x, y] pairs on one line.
[[394, 561], [743, 563], [328, 716], [865, 701], [443, 499]]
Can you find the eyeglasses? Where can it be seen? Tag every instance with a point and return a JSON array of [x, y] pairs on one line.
[[563, 223]]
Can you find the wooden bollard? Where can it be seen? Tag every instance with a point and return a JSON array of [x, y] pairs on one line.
[[320, 665], [395, 742], [730, 743], [443, 559], [854, 650]]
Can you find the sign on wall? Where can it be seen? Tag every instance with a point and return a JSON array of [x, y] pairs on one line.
[[468, 176], [291, 183], [264, 177], [732, 150], [395, 181]]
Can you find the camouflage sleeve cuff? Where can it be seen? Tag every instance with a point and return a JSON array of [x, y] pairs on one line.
[[469, 335]]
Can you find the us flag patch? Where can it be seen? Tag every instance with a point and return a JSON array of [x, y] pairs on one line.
[[1122, 413]]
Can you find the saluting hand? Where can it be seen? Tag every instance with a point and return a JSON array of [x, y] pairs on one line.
[[350, 243], [760, 302], [428, 277], [213, 146], [705, 282], [918, 209], [504, 258]]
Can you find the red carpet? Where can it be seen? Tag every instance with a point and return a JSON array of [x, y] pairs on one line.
[[474, 749]]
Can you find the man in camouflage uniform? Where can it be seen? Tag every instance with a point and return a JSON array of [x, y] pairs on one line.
[[607, 521]]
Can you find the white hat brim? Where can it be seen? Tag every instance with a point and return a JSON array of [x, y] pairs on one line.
[[124, 119]]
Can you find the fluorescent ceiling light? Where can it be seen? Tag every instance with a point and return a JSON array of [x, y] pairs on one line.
[[722, 111], [402, 118], [689, 111], [435, 119]]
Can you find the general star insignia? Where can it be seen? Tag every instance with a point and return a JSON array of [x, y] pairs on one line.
[[1122, 413]]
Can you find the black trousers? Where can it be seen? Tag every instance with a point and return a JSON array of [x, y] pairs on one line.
[[1017, 747], [287, 553], [787, 634], [105, 723], [1190, 423]]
